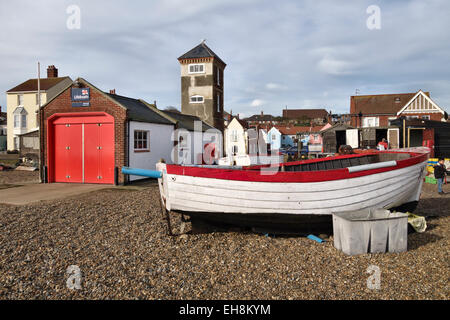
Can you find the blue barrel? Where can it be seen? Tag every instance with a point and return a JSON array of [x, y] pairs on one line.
[[142, 172]]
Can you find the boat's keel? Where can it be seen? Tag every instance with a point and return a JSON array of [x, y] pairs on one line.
[[406, 207], [261, 223]]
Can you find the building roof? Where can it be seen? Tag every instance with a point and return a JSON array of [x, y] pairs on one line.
[[243, 123], [138, 111], [293, 130], [260, 117], [308, 113], [200, 51], [186, 121], [380, 103], [32, 84], [338, 127]]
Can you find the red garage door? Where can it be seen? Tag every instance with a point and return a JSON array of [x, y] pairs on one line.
[[81, 149]]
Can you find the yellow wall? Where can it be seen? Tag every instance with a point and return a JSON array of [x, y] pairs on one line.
[[29, 103]]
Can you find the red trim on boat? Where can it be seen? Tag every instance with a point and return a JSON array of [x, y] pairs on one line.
[[290, 176]]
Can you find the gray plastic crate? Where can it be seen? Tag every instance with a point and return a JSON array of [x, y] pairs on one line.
[[370, 231]]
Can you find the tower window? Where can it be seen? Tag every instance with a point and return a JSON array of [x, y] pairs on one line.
[[218, 76], [218, 103], [197, 99], [197, 68]]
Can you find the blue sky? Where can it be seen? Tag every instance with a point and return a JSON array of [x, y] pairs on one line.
[[299, 54]]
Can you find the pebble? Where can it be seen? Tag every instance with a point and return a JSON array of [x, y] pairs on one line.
[[118, 238]]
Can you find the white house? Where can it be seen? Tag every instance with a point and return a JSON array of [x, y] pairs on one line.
[[236, 138], [194, 141]]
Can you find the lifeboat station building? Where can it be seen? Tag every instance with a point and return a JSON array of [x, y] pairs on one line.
[[89, 135]]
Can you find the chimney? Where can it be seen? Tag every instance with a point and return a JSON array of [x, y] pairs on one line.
[[52, 72], [112, 91]]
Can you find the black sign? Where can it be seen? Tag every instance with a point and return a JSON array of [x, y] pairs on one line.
[[80, 97]]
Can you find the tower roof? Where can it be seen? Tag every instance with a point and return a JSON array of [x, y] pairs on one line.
[[200, 51]]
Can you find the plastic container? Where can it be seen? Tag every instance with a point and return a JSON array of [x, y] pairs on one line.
[[430, 180], [370, 231]]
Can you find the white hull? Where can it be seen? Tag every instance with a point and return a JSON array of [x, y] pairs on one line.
[[383, 190]]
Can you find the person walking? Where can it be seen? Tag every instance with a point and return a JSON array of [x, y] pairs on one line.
[[439, 173]]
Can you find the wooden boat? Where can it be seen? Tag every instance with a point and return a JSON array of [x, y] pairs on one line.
[[266, 195]]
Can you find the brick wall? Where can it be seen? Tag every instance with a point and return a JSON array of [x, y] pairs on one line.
[[98, 103]]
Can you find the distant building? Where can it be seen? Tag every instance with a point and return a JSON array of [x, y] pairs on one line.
[[236, 139], [341, 118], [22, 104], [274, 139], [376, 110], [202, 85], [261, 119], [373, 114], [189, 146], [312, 116], [3, 129]]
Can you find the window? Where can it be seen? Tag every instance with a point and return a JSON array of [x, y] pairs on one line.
[[218, 103], [141, 141], [273, 137], [20, 99], [182, 141], [16, 120], [412, 117], [197, 68], [197, 99], [24, 121], [371, 122], [235, 149], [37, 99], [427, 117], [234, 136], [218, 76]]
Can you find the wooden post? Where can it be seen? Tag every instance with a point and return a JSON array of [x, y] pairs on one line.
[[404, 133], [409, 136]]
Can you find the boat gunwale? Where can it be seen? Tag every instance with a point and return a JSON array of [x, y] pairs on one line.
[[256, 175]]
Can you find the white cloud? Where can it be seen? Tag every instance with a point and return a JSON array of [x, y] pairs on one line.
[[277, 53], [257, 103], [275, 86]]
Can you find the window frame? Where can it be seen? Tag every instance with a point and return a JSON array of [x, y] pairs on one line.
[[218, 76], [234, 135], [376, 121], [20, 97], [203, 65], [218, 102], [196, 96], [142, 139], [23, 121]]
